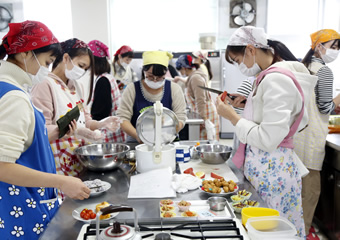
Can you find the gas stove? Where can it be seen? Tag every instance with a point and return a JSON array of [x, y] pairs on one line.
[[161, 229]]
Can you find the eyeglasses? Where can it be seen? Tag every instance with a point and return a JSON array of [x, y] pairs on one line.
[[152, 77]]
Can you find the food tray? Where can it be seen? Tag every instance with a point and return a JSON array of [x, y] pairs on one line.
[[202, 209]]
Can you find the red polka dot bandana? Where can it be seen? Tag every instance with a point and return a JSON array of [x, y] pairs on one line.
[[27, 36], [123, 49]]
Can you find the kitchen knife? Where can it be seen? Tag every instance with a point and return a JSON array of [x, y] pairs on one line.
[[220, 92]]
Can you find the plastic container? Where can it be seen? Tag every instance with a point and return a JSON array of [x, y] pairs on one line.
[[251, 212], [282, 228]]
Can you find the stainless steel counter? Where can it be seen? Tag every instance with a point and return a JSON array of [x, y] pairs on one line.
[[333, 150], [333, 140], [63, 224]]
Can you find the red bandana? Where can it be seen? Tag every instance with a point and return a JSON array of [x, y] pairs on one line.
[[27, 36], [123, 49]]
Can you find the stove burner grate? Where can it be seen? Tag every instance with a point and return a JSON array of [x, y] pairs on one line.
[[200, 229]]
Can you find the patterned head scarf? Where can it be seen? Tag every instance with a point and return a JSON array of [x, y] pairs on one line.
[[184, 61], [123, 49], [249, 35], [27, 36], [201, 54], [99, 49], [72, 43], [322, 36], [157, 57]]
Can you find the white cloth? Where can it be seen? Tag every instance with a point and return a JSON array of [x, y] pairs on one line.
[[17, 121], [184, 182], [280, 94], [249, 35]]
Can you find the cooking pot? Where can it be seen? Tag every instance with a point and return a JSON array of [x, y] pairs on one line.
[[118, 231], [145, 158], [156, 127]]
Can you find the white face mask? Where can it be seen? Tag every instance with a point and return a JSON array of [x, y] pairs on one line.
[[123, 64], [153, 84], [40, 75], [75, 73], [330, 55], [252, 71]]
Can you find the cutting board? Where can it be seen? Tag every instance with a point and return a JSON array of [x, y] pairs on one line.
[[221, 169]]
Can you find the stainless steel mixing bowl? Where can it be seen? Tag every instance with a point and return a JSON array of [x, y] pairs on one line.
[[102, 156], [213, 153]]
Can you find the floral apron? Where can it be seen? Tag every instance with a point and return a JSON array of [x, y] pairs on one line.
[[275, 175], [109, 136], [26, 211], [210, 110]]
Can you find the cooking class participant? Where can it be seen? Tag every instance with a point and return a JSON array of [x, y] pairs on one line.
[[122, 72], [310, 143], [28, 179], [245, 89], [273, 113], [153, 87], [106, 95], [59, 93], [201, 58], [198, 99]]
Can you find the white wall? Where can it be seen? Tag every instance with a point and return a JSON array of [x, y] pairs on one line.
[[90, 20]]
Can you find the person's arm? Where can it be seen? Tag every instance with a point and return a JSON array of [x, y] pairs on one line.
[[281, 104], [178, 104], [200, 95], [324, 91], [125, 110], [102, 102], [20, 175]]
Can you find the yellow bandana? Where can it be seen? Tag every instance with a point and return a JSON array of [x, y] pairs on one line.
[[322, 36], [156, 57]]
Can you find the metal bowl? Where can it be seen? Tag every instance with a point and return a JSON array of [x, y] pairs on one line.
[[213, 153], [102, 156], [217, 203]]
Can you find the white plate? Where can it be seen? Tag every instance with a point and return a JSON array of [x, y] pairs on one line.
[[97, 191], [222, 193], [76, 213]]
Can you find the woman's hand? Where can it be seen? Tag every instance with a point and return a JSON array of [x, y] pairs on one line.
[[111, 123], [237, 102], [73, 128], [225, 110], [74, 188]]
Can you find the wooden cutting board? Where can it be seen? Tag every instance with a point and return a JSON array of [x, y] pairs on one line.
[[221, 169]]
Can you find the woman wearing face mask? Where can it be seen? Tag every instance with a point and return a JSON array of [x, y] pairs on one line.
[[28, 179], [106, 95], [310, 143], [274, 112], [58, 94], [198, 99], [153, 87], [122, 72]]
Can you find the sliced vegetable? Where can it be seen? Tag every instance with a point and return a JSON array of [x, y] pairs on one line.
[[224, 95], [214, 175]]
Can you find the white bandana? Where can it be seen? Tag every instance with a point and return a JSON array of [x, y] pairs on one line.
[[249, 35]]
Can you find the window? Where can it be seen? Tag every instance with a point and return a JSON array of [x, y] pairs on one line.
[[166, 25]]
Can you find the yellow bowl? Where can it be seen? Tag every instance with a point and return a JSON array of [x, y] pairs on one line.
[[250, 212]]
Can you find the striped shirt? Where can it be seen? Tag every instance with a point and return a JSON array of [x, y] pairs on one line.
[[324, 88], [244, 89]]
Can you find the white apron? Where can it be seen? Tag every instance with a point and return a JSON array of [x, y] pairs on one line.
[[310, 143], [66, 162]]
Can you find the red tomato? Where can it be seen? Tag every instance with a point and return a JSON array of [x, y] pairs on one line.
[[93, 215], [189, 170], [82, 214], [214, 175], [86, 216]]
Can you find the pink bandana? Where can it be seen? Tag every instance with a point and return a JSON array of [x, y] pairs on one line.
[[99, 49]]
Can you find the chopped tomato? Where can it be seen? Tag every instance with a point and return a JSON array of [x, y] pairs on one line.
[[214, 175], [223, 96], [189, 171], [93, 215]]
